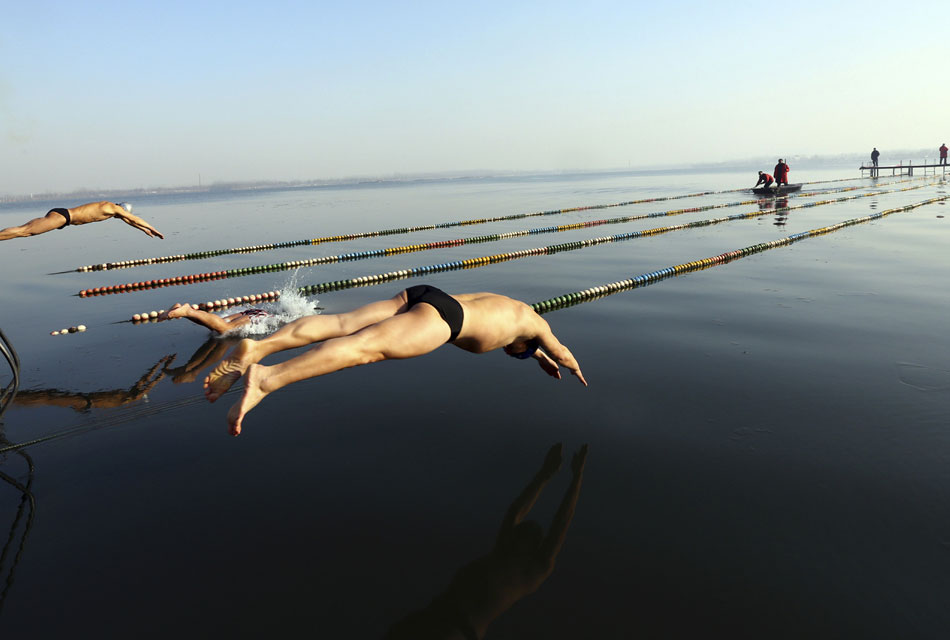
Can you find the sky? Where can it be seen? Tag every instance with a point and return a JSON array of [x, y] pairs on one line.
[[112, 95]]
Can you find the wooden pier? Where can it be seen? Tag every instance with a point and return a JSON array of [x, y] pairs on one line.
[[902, 169]]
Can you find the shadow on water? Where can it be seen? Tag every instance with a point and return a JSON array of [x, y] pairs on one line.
[[521, 560]]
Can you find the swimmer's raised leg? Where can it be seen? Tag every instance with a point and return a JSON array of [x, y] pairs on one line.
[[253, 394], [299, 333], [406, 335]]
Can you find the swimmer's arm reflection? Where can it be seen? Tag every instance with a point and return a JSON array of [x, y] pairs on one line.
[[529, 495], [565, 513], [207, 354]]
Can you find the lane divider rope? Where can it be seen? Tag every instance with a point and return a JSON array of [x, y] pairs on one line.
[[390, 251], [125, 264], [593, 293], [473, 263]]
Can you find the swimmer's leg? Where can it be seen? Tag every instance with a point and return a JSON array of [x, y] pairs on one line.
[[299, 333], [34, 227], [406, 335]]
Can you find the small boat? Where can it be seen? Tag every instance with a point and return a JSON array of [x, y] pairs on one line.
[[776, 191]]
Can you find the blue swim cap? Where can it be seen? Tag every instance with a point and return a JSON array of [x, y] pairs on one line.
[[126, 206]]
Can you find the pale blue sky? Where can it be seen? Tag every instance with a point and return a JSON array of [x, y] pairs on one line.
[[138, 94]]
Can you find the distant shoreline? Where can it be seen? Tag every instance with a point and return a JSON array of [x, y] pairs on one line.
[[751, 164]]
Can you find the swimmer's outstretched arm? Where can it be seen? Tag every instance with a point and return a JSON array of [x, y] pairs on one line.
[[214, 322], [137, 222]]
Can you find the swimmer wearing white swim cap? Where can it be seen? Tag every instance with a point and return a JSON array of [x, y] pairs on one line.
[[60, 218]]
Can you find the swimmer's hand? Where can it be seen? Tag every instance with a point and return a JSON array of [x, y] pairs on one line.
[[549, 366]]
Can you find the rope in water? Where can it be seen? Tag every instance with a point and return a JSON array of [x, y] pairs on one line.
[[214, 304], [472, 263], [124, 264], [593, 293], [390, 251]]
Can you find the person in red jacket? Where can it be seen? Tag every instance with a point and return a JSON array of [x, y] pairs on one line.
[[781, 173], [943, 153], [765, 179]]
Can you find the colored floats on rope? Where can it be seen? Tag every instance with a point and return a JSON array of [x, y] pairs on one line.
[[470, 263], [213, 305], [400, 230], [153, 284], [586, 295], [359, 255]]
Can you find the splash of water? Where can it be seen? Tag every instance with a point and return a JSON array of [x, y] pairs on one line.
[[287, 308]]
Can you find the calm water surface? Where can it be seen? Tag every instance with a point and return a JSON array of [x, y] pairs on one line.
[[768, 457]]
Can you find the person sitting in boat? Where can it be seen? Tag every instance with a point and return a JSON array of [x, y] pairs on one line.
[[781, 173], [764, 179]]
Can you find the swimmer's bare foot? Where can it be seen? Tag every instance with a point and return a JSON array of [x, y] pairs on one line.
[[253, 394], [229, 370]]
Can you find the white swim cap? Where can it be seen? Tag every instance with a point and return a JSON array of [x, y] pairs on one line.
[[126, 206]]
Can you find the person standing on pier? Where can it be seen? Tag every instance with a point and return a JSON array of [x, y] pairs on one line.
[[943, 153], [781, 173], [874, 156]]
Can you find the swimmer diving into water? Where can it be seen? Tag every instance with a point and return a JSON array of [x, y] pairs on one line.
[[93, 212], [411, 323], [218, 324]]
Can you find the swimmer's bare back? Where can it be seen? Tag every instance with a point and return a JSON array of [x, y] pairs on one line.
[[99, 211]]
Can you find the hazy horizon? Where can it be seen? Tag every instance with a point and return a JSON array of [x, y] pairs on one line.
[[291, 91], [800, 161]]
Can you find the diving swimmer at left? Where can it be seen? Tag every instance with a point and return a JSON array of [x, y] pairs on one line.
[[60, 218]]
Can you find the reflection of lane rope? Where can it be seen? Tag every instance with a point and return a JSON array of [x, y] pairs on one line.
[[391, 251], [124, 264], [136, 413], [594, 293]]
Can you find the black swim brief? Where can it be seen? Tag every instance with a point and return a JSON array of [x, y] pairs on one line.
[[447, 306], [62, 212]]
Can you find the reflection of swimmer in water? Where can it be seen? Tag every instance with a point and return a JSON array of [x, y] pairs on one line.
[[219, 324], [207, 354], [522, 559], [412, 323], [93, 212], [95, 399]]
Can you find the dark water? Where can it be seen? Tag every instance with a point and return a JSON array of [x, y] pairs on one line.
[[768, 445]]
